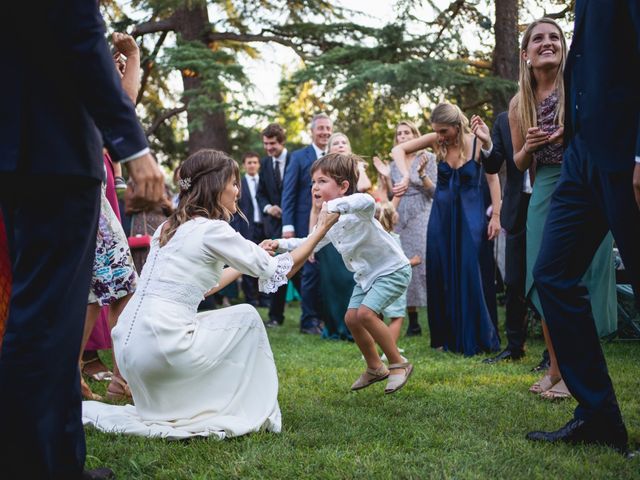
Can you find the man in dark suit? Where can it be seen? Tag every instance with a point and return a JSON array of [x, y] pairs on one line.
[[57, 112], [269, 197], [513, 218], [253, 228], [599, 189], [296, 209]]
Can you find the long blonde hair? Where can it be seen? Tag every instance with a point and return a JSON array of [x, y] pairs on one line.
[[450, 114], [335, 136], [410, 125], [203, 178], [525, 99]]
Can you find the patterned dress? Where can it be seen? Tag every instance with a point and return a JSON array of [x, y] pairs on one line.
[[413, 212], [114, 275]]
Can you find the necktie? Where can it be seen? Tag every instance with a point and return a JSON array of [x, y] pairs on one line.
[[277, 174]]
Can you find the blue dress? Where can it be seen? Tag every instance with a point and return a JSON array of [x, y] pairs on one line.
[[459, 304]]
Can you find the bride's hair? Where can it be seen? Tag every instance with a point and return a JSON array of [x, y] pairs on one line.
[[203, 177]]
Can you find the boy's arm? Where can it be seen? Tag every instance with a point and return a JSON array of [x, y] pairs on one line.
[[362, 204]]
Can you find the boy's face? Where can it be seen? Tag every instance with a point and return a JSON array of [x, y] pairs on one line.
[[325, 188], [251, 165]]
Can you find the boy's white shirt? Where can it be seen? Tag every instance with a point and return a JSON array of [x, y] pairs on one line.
[[366, 248]]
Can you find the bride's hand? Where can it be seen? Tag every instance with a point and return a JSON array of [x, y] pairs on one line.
[[325, 219]]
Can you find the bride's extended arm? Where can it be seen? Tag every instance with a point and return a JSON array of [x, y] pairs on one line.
[[229, 275]]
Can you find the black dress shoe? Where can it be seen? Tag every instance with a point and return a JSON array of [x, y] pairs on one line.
[[414, 330], [543, 366], [506, 354], [611, 434], [273, 324], [311, 330], [98, 474]]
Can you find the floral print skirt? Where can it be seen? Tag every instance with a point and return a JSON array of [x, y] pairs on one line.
[[114, 275]]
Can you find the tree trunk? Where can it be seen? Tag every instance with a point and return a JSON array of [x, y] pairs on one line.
[[505, 53], [192, 24]]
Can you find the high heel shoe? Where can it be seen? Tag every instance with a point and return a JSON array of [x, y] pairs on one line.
[[118, 389]]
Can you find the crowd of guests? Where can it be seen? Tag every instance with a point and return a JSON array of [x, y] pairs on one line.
[[358, 251]]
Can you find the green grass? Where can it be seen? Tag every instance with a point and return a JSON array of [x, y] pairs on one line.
[[456, 418]]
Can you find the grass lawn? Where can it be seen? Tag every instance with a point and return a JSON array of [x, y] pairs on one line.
[[456, 418]]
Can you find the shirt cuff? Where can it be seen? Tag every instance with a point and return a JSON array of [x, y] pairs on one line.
[[638, 159], [288, 228], [142, 152], [266, 207], [486, 153]]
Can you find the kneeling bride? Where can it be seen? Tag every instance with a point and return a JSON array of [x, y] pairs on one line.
[[199, 374]]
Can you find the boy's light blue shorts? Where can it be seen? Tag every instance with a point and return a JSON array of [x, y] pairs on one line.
[[384, 291], [397, 309]]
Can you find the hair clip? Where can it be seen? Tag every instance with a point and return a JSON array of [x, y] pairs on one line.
[[185, 183]]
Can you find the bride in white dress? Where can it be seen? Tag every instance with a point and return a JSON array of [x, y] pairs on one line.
[[199, 374]]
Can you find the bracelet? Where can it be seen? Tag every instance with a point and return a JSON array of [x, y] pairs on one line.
[[423, 176]]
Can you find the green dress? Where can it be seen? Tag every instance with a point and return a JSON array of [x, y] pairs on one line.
[[336, 286]]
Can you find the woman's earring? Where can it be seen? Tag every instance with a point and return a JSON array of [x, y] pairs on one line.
[[528, 63]]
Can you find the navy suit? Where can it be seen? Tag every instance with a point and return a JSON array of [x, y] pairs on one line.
[[513, 217], [594, 193], [252, 231], [296, 209], [270, 193], [56, 113]]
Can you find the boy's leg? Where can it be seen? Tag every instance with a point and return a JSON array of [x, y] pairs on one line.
[[380, 332], [363, 339]]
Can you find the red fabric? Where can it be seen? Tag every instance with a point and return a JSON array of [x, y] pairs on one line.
[[5, 278]]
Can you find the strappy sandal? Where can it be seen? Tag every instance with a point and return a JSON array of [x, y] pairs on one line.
[[370, 376], [99, 375], [118, 389], [87, 394], [397, 380], [545, 383], [558, 392]]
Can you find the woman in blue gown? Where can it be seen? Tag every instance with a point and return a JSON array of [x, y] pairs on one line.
[[460, 308]]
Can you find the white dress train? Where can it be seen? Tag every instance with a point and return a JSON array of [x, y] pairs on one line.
[[195, 374]]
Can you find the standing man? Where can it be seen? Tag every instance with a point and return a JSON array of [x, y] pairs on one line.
[[296, 209], [513, 218], [269, 198], [599, 189], [57, 112], [253, 228]]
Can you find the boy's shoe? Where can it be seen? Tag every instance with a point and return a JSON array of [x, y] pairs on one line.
[[398, 380], [414, 330], [370, 376]]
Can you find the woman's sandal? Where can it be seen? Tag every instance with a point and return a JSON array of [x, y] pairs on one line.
[[87, 394], [545, 383], [558, 392], [370, 376], [398, 380], [93, 368], [118, 389]]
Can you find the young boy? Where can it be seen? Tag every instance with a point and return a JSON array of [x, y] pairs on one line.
[[381, 270]]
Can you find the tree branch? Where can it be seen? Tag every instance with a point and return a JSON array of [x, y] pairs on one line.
[[560, 14], [474, 105], [253, 37], [147, 65], [162, 118], [167, 25]]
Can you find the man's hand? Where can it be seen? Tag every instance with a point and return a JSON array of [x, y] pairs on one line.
[[147, 178], [270, 246], [636, 183], [275, 211]]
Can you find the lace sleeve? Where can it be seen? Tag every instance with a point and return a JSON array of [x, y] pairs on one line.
[[284, 266]]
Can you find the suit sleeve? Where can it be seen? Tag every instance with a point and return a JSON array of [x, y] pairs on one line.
[[494, 161], [80, 34], [634, 11], [290, 191]]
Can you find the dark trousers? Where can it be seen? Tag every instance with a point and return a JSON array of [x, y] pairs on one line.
[[278, 299], [586, 203], [515, 279], [51, 227], [310, 293], [249, 283]]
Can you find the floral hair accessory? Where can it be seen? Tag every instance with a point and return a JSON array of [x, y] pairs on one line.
[[185, 183]]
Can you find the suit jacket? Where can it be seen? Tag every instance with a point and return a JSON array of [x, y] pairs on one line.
[[503, 152], [296, 191], [270, 194], [612, 58], [59, 110]]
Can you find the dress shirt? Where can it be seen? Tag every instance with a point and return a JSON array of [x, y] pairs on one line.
[[142, 152], [279, 162], [253, 190], [319, 151], [366, 248]]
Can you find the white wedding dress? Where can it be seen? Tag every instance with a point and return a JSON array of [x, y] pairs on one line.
[[195, 374]]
